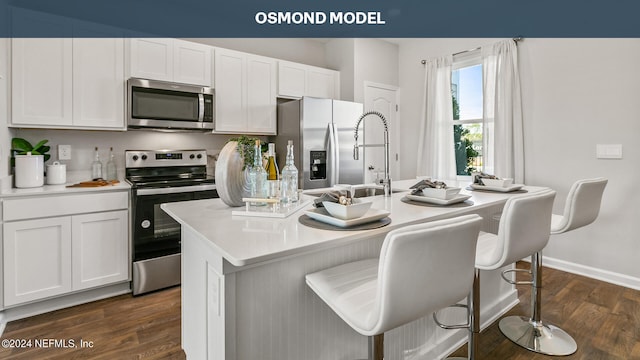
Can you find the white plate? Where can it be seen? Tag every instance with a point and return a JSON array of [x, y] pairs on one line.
[[497, 188], [322, 215], [431, 200]]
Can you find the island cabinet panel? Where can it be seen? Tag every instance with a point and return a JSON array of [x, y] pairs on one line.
[[205, 336], [37, 259]]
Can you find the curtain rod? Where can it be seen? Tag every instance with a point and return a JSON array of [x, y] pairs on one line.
[[516, 39]]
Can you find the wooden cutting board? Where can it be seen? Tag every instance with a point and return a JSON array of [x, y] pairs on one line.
[[95, 183]]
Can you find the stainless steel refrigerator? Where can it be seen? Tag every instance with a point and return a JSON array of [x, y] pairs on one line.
[[322, 132]]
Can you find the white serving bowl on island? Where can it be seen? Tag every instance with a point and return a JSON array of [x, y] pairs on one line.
[[497, 182], [444, 194], [346, 212]]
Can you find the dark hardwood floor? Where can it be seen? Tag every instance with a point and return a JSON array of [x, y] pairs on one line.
[[603, 318]]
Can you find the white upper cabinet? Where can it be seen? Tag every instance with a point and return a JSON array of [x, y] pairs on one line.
[[98, 78], [192, 63], [245, 93], [152, 58], [41, 70], [67, 82], [298, 80], [171, 60]]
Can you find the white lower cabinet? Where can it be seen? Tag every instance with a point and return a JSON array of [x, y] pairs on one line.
[[37, 259], [51, 256], [99, 249]]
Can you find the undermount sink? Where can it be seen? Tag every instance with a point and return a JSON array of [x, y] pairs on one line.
[[359, 191]]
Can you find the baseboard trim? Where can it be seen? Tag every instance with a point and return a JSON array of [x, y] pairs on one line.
[[3, 323], [57, 303], [591, 272]]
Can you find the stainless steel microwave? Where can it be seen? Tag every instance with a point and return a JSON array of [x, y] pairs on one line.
[[162, 105]]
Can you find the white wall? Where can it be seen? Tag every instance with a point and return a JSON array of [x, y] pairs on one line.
[[340, 56], [375, 61], [576, 93]]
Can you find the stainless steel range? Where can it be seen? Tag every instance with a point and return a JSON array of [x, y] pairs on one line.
[[158, 177]]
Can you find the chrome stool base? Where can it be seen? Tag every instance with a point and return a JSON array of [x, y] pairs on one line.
[[538, 337]]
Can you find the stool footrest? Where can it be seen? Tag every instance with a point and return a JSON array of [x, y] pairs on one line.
[[455, 326], [509, 271]]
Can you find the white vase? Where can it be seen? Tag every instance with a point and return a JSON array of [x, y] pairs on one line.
[[231, 180]]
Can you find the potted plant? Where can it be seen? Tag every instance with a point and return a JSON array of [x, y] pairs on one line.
[[21, 146]]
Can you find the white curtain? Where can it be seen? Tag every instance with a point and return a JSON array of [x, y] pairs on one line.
[[503, 142], [436, 156]]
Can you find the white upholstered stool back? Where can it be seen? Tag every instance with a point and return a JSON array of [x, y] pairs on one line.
[[582, 206], [422, 268]]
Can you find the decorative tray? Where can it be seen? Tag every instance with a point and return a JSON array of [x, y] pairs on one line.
[[271, 208]]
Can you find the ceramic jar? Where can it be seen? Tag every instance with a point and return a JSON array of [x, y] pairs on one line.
[[56, 173], [29, 170]]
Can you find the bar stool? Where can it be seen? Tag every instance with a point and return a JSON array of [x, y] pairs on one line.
[[582, 208], [523, 230], [422, 268]]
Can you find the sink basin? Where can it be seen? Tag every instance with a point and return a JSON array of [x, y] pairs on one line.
[[359, 191]]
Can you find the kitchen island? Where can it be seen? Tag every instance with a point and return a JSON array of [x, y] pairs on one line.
[[244, 295]]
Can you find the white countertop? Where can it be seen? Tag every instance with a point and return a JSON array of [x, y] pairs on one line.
[[73, 177], [244, 240]]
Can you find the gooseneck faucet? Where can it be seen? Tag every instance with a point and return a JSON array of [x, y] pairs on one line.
[[386, 182]]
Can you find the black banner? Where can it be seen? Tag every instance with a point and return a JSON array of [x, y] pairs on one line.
[[332, 18]]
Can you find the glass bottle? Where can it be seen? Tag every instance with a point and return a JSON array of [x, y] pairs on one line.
[[111, 166], [96, 166], [289, 184], [273, 178], [257, 175]]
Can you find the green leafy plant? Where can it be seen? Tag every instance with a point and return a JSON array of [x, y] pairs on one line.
[[245, 148], [21, 146]]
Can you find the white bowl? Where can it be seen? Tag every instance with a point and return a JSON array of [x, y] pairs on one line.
[[497, 182], [444, 194], [346, 212]]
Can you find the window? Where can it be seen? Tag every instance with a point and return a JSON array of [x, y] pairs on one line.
[[466, 91]]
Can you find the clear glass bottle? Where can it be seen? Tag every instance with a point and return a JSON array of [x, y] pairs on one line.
[[273, 177], [257, 175], [96, 166], [111, 166], [289, 175]]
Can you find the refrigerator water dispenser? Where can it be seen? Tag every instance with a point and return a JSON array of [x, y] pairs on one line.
[[318, 165]]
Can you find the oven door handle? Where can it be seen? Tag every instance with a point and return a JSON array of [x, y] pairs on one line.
[[174, 190]]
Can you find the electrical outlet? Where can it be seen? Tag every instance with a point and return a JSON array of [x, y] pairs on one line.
[[64, 152]]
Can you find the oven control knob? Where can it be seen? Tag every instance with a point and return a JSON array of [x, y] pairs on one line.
[[191, 156], [145, 224], [199, 156], [144, 157], [135, 157]]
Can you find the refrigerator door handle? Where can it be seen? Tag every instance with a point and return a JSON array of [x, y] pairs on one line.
[[336, 154], [332, 166]]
